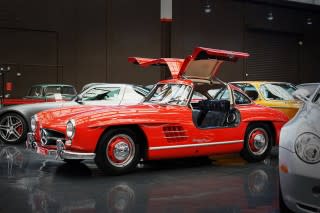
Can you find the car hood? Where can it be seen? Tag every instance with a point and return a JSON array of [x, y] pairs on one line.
[[204, 63], [95, 116]]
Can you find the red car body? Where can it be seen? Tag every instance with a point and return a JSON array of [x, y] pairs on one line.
[[16, 101], [161, 131]]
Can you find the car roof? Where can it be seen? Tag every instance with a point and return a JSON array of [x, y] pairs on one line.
[[52, 85], [306, 84]]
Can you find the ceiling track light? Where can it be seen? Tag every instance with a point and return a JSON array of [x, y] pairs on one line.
[[270, 16], [309, 21], [207, 7]]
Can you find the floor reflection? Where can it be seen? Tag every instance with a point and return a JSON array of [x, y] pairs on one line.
[[188, 185], [10, 157]]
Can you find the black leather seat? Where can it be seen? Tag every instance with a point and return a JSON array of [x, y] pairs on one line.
[[211, 113], [214, 105]]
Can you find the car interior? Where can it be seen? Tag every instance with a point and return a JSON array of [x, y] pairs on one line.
[[213, 112]]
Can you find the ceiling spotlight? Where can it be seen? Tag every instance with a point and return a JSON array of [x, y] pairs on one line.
[[309, 21], [207, 8], [270, 16]]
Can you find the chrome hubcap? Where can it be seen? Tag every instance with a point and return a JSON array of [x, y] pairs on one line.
[[258, 141], [120, 150], [11, 128]]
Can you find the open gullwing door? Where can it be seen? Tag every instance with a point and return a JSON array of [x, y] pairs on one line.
[[204, 63]]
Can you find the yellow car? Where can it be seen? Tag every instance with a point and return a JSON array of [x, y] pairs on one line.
[[272, 94]]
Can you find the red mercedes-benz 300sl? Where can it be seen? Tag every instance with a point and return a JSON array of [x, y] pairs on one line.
[[192, 114]]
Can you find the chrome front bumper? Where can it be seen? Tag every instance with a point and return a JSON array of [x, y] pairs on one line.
[[59, 153]]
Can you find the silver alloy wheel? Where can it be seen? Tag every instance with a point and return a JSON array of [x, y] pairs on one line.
[[11, 128], [120, 150], [258, 141]]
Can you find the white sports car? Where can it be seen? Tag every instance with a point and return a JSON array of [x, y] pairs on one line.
[[299, 156]]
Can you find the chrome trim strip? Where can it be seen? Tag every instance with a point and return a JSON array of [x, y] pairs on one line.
[[178, 136], [194, 145]]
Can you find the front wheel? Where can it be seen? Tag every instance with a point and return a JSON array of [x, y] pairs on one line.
[[13, 128], [118, 151], [257, 143]]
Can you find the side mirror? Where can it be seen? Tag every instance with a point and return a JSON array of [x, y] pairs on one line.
[[78, 99], [302, 94]]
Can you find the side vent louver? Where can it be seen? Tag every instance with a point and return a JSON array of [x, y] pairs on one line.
[[174, 133]]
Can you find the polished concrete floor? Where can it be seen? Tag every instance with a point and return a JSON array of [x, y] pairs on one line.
[[32, 183]]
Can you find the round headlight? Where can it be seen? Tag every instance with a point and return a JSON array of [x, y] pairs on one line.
[[307, 147], [71, 128], [33, 123]]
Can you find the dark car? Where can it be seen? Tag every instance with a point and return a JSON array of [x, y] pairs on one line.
[[51, 91], [43, 93], [15, 120]]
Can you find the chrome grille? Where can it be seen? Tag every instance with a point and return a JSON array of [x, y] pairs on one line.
[[49, 137]]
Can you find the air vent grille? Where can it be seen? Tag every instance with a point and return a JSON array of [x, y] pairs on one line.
[[174, 133]]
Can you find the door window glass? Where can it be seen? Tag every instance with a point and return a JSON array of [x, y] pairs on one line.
[[223, 94], [317, 98]]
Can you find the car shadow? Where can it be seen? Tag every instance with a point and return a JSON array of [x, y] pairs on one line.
[[73, 170]]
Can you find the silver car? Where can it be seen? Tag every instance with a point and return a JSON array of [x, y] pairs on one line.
[[15, 120], [299, 156]]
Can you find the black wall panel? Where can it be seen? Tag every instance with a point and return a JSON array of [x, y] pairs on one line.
[[133, 30], [221, 29], [84, 41], [273, 56], [32, 57]]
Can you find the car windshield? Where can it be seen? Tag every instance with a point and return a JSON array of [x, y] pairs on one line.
[[51, 90], [35, 91], [277, 91], [175, 94], [310, 87], [141, 90]]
